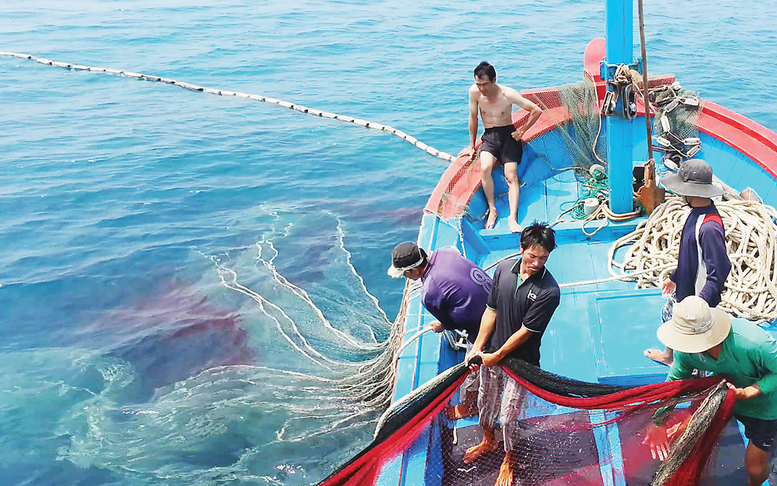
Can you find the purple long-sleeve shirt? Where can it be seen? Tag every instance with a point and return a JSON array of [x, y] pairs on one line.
[[455, 291]]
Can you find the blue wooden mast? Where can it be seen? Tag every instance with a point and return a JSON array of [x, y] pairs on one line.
[[619, 35]]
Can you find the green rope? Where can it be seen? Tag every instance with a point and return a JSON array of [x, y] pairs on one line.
[[595, 186]]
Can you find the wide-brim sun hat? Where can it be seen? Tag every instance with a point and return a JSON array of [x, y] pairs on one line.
[[694, 326], [404, 257], [694, 178]]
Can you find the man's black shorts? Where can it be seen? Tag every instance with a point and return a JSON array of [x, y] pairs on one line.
[[760, 432], [499, 142]]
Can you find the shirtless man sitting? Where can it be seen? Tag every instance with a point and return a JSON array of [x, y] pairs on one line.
[[501, 140]]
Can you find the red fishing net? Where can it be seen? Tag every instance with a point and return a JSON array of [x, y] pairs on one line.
[[559, 431]]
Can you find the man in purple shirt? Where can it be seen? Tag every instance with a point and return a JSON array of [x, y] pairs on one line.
[[454, 291], [703, 262]]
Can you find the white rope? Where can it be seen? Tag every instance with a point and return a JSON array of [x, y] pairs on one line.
[[419, 332], [266, 99], [625, 277], [751, 238]]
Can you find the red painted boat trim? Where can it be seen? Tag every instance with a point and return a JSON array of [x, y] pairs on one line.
[[743, 134]]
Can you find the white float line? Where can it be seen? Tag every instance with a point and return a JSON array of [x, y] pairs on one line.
[[266, 99]]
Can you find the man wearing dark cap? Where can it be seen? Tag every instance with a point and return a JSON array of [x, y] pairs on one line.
[[703, 262], [708, 339], [522, 301], [454, 291]]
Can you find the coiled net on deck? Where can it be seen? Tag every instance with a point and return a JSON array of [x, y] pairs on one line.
[[567, 432]]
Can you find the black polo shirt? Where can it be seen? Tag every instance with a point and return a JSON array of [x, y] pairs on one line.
[[530, 303]]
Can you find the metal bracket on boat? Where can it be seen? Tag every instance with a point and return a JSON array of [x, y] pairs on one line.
[[609, 103], [629, 102], [620, 88]]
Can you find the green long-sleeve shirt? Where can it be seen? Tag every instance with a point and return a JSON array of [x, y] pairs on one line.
[[748, 356]]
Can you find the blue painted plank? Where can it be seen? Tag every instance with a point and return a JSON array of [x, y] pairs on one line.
[[391, 473], [414, 461], [434, 463], [627, 329], [718, 155]]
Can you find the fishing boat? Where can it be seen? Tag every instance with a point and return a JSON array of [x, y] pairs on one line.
[[604, 323]]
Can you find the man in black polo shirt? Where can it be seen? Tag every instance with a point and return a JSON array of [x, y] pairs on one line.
[[522, 300]]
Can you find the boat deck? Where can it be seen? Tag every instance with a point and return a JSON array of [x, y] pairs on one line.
[[598, 333]]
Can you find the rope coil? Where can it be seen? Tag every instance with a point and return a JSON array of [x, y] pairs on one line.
[[751, 239], [204, 89]]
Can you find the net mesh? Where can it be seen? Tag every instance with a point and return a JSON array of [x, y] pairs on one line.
[[561, 432], [580, 125]]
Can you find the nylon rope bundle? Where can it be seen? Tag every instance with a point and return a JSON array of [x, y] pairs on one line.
[[266, 99]]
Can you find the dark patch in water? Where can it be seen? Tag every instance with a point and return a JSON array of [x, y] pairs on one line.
[[182, 335]]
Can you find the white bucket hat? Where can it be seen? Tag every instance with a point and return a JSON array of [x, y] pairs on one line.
[[694, 326]]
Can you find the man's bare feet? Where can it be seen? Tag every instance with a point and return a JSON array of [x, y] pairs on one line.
[[460, 411], [474, 452], [492, 214], [663, 357], [514, 226], [505, 477]]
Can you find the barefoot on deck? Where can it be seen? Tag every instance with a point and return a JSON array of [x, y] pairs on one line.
[[491, 218], [514, 226], [474, 452], [505, 477], [661, 357]]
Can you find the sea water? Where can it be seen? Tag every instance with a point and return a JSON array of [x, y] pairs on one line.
[[185, 278]]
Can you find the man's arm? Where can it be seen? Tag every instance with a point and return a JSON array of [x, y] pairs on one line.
[[435, 300], [473, 117], [534, 111], [767, 358], [713, 248], [488, 321], [487, 325], [679, 370], [657, 436]]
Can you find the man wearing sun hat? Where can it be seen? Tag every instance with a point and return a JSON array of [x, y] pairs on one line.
[[703, 262], [455, 291], [708, 339]]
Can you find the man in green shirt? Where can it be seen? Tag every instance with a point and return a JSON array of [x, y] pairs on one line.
[[708, 339]]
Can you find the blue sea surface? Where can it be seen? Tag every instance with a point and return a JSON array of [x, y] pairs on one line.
[[185, 278]]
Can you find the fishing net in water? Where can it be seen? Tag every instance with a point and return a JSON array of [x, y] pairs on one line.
[[563, 432]]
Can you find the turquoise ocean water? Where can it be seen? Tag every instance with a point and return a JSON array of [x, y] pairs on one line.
[[185, 278]]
